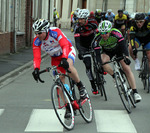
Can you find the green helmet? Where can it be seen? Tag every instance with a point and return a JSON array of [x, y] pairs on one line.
[[105, 26]]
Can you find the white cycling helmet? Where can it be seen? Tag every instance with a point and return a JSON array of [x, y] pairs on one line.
[[109, 10], [41, 25], [105, 26], [83, 13]]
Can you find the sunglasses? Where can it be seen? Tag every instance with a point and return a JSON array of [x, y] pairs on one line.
[[104, 33], [139, 21], [39, 33]]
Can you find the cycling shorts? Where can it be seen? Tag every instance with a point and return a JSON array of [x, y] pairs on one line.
[[118, 26], [55, 61], [145, 46]]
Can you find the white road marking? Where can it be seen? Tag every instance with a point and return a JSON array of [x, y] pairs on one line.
[[1, 111], [116, 121], [44, 120]]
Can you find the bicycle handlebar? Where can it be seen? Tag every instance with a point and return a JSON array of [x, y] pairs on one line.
[[114, 59], [48, 70]]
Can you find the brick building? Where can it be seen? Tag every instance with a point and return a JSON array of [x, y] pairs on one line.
[[17, 16]]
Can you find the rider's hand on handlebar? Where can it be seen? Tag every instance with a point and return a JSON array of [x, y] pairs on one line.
[[35, 74], [64, 63]]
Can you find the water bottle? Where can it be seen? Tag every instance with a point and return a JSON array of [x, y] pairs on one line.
[[68, 88]]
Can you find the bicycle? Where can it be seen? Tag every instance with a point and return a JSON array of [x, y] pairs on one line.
[[144, 70], [122, 84], [62, 98], [98, 77]]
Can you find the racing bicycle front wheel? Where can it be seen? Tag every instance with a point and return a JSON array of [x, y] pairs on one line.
[[61, 101], [86, 109], [122, 92]]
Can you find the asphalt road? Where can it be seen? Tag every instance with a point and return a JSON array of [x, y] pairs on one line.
[[26, 107]]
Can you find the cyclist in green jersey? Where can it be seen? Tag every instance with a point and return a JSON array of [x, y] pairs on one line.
[[112, 43]]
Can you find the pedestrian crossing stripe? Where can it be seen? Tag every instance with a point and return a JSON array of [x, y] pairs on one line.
[[1, 111], [114, 121], [44, 120]]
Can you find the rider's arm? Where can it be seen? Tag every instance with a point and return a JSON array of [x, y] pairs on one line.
[[63, 42], [97, 48], [36, 53], [132, 36], [77, 40]]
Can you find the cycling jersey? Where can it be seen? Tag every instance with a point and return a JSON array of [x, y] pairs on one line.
[[120, 20], [56, 44], [85, 34], [114, 45], [98, 17], [112, 42], [110, 17], [143, 34], [147, 18]]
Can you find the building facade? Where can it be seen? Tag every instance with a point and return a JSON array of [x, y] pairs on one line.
[[17, 16]]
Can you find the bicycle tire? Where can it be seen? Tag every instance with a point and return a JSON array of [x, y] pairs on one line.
[[144, 75], [130, 92], [86, 109], [59, 105], [147, 75], [101, 82], [122, 93], [97, 82]]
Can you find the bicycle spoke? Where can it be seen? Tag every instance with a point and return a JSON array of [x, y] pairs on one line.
[[123, 94], [86, 110], [60, 100]]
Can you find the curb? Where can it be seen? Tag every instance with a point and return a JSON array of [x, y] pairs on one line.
[[17, 71]]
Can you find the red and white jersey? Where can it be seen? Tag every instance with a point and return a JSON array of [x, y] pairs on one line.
[[56, 44]]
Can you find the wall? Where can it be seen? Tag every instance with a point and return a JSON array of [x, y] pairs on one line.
[[5, 43]]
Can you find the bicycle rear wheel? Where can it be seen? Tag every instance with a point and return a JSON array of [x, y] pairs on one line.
[[86, 109], [60, 100], [123, 93]]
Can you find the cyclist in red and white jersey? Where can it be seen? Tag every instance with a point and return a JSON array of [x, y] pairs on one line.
[[55, 43]]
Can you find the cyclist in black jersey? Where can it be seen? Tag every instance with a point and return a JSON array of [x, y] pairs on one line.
[[112, 43], [139, 34], [84, 34]]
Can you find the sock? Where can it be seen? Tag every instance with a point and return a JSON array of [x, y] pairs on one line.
[[93, 84], [134, 91], [79, 84], [113, 76], [136, 60]]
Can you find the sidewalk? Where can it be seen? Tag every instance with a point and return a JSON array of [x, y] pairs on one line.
[[12, 64]]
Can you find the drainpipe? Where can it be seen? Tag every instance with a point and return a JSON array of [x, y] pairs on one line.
[[15, 8], [124, 5]]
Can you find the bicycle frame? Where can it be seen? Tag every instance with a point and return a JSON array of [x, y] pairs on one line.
[[120, 78], [116, 68]]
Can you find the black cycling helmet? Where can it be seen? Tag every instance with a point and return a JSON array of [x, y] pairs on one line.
[[120, 11], [139, 16]]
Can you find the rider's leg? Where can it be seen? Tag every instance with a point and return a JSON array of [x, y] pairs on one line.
[[88, 65], [107, 67], [137, 62], [131, 80]]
